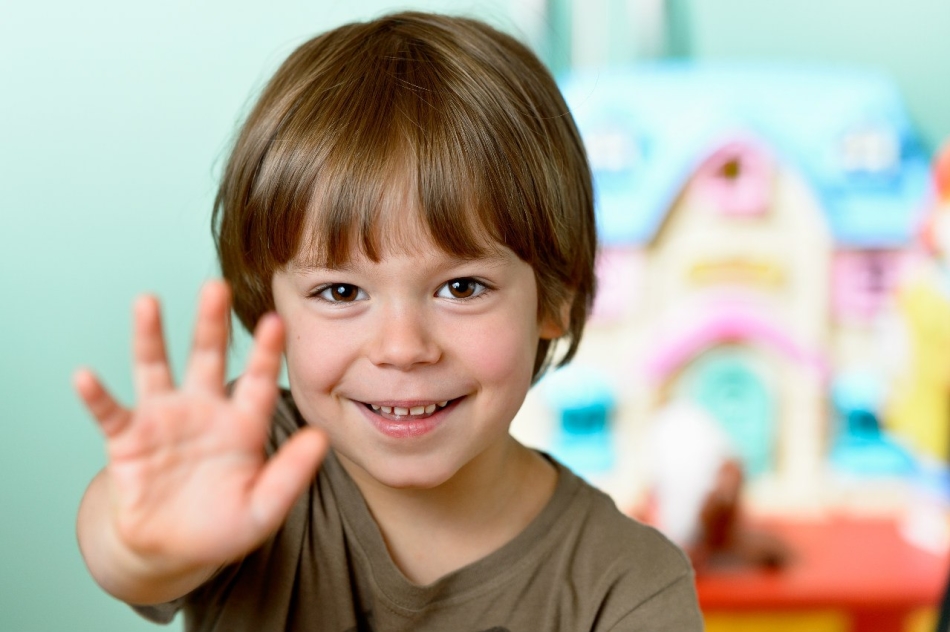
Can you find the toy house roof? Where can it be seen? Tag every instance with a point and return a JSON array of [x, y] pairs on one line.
[[846, 131]]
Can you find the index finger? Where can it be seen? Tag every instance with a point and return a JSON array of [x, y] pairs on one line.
[[150, 370]]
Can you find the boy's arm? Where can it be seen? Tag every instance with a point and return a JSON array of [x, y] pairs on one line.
[[187, 488], [120, 571]]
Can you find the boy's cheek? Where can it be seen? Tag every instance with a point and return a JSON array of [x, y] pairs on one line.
[[314, 354], [307, 334], [500, 353]]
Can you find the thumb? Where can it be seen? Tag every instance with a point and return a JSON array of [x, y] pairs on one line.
[[285, 476]]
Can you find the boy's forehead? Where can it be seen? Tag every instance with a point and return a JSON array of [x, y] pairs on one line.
[[429, 254], [396, 227]]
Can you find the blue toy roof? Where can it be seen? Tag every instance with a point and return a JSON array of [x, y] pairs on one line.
[[648, 128]]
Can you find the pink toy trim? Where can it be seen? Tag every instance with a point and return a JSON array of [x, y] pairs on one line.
[[724, 323], [737, 177]]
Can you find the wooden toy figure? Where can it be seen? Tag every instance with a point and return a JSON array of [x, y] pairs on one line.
[[697, 483]]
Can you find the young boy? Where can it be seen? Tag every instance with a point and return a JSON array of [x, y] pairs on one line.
[[407, 214]]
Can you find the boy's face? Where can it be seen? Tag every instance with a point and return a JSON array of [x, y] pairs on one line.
[[414, 365]]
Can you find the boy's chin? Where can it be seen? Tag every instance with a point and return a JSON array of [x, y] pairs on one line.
[[405, 472], [416, 477]]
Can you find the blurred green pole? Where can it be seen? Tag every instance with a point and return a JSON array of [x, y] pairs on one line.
[[623, 34], [558, 41], [678, 34]]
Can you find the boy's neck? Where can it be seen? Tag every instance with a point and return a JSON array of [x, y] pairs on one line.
[[432, 532]]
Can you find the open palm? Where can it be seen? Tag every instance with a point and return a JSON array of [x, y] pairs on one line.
[[189, 480]]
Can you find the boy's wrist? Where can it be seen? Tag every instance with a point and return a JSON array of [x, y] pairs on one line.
[[122, 571]]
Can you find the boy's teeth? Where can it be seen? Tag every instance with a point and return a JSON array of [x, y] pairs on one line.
[[428, 409]]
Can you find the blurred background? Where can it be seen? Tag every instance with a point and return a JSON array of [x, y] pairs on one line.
[[774, 282]]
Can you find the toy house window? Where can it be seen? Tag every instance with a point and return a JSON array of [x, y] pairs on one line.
[[863, 281], [616, 155], [736, 179], [872, 150]]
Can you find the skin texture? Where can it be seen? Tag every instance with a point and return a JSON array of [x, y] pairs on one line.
[[187, 488], [411, 341]]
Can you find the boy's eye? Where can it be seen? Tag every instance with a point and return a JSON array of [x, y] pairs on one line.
[[461, 288], [341, 293]]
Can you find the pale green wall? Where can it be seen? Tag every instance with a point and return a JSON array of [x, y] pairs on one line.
[[910, 39], [113, 119]]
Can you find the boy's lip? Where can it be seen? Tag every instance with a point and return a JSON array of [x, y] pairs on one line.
[[398, 426]]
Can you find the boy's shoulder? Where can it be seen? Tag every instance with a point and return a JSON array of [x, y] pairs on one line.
[[600, 530], [635, 574]]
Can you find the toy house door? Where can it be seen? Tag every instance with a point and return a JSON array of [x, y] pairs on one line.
[[732, 387]]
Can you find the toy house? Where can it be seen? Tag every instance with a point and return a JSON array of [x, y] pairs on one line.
[[755, 221]]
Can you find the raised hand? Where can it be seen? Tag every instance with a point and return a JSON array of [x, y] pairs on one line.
[[188, 484]]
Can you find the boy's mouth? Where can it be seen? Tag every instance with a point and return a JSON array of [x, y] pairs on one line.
[[409, 412]]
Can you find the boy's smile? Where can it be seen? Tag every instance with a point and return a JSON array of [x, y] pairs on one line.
[[413, 419], [415, 365], [399, 411]]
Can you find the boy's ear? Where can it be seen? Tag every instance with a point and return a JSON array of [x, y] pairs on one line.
[[556, 325]]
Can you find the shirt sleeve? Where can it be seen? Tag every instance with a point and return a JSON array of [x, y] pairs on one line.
[[160, 613], [675, 608]]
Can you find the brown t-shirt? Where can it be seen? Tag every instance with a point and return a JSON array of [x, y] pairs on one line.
[[580, 565]]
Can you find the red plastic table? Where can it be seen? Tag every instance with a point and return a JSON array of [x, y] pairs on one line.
[[858, 565]]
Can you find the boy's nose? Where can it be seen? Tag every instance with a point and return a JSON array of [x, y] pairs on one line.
[[403, 340]]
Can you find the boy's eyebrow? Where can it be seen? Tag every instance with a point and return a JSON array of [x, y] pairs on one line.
[[304, 267], [491, 259]]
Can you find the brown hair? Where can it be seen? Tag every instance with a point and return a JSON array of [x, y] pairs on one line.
[[463, 114]]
